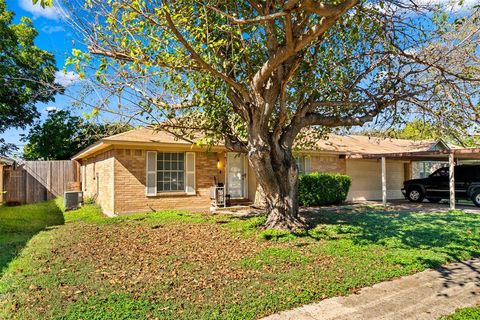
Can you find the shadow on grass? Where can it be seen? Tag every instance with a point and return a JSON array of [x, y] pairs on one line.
[[453, 230], [429, 238], [19, 224], [452, 233]]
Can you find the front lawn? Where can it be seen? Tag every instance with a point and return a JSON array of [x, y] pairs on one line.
[[181, 265], [19, 224], [464, 314]]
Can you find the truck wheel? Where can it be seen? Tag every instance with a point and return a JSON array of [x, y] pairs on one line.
[[415, 194], [476, 197], [434, 200]]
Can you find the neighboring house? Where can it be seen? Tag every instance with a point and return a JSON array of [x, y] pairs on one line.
[[144, 170], [4, 162]]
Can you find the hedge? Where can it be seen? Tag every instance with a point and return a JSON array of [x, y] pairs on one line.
[[319, 189]]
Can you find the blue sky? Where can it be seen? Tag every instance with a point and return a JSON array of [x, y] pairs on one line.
[[56, 36]]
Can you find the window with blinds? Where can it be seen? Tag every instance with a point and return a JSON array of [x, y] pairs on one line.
[[170, 171], [303, 164]]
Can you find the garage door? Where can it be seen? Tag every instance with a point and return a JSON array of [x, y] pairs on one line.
[[367, 179]]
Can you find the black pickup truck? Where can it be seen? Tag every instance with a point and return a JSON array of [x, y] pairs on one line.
[[436, 186]]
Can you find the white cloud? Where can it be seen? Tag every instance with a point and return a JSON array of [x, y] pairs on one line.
[[52, 29], [66, 79], [55, 12]]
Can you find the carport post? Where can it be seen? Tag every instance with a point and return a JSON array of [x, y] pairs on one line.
[[451, 174], [384, 182]]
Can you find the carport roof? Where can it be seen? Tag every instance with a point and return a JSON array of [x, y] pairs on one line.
[[433, 155]]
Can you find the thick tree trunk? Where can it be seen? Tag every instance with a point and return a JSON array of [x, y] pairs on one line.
[[277, 174]]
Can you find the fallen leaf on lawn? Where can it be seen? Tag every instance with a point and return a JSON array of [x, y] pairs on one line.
[[33, 287]]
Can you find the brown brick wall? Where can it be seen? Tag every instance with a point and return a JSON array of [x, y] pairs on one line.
[[328, 164], [130, 179], [98, 180], [122, 177]]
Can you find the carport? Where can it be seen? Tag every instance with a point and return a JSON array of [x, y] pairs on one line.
[[452, 155]]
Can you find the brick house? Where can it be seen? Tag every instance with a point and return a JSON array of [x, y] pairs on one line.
[[143, 170]]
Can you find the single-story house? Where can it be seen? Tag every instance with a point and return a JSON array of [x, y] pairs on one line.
[[144, 170]]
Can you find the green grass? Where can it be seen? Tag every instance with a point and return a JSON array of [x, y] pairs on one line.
[[464, 314], [183, 265], [19, 224]]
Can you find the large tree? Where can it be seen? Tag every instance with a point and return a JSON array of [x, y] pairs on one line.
[[265, 76], [27, 74], [62, 135]]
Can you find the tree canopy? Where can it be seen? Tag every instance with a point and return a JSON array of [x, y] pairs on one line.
[[261, 74], [27, 74], [62, 135]]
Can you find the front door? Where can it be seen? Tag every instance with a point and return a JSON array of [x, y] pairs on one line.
[[236, 175]]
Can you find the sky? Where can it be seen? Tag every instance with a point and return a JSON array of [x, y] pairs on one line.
[[55, 36]]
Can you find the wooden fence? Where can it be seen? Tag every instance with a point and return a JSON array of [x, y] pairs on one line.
[[36, 181]]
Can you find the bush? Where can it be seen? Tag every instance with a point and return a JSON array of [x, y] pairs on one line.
[[319, 189]]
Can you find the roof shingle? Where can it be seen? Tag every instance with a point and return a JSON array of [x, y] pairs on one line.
[[348, 144]]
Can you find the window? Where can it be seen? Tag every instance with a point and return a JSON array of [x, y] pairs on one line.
[[300, 164], [303, 164], [442, 172], [170, 171]]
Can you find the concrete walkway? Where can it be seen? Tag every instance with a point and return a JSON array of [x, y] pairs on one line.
[[425, 295]]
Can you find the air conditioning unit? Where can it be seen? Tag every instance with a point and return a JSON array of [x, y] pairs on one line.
[[72, 200]]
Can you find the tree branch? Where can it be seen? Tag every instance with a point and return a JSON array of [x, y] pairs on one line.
[[326, 10], [312, 119], [94, 49], [256, 20], [239, 88], [300, 43]]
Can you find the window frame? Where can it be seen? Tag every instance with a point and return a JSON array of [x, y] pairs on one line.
[[161, 171], [301, 161]]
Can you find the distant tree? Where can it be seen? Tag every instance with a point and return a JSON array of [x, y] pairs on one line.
[[413, 130], [91, 132], [54, 139], [27, 74], [62, 135], [424, 130], [418, 130]]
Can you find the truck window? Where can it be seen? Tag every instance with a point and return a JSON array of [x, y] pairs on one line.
[[442, 172]]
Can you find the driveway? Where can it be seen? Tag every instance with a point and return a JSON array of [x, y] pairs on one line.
[[402, 205], [443, 206]]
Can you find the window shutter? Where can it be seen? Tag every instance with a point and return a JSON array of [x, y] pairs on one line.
[[308, 164], [151, 185], [190, 173]]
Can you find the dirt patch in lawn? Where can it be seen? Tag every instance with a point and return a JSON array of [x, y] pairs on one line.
[[185, 259], [173, 270]]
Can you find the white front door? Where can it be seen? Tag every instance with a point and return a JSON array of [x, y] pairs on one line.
[[236, 175]]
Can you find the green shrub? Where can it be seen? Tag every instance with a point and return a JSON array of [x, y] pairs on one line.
[[88, 200], [319, 189]]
